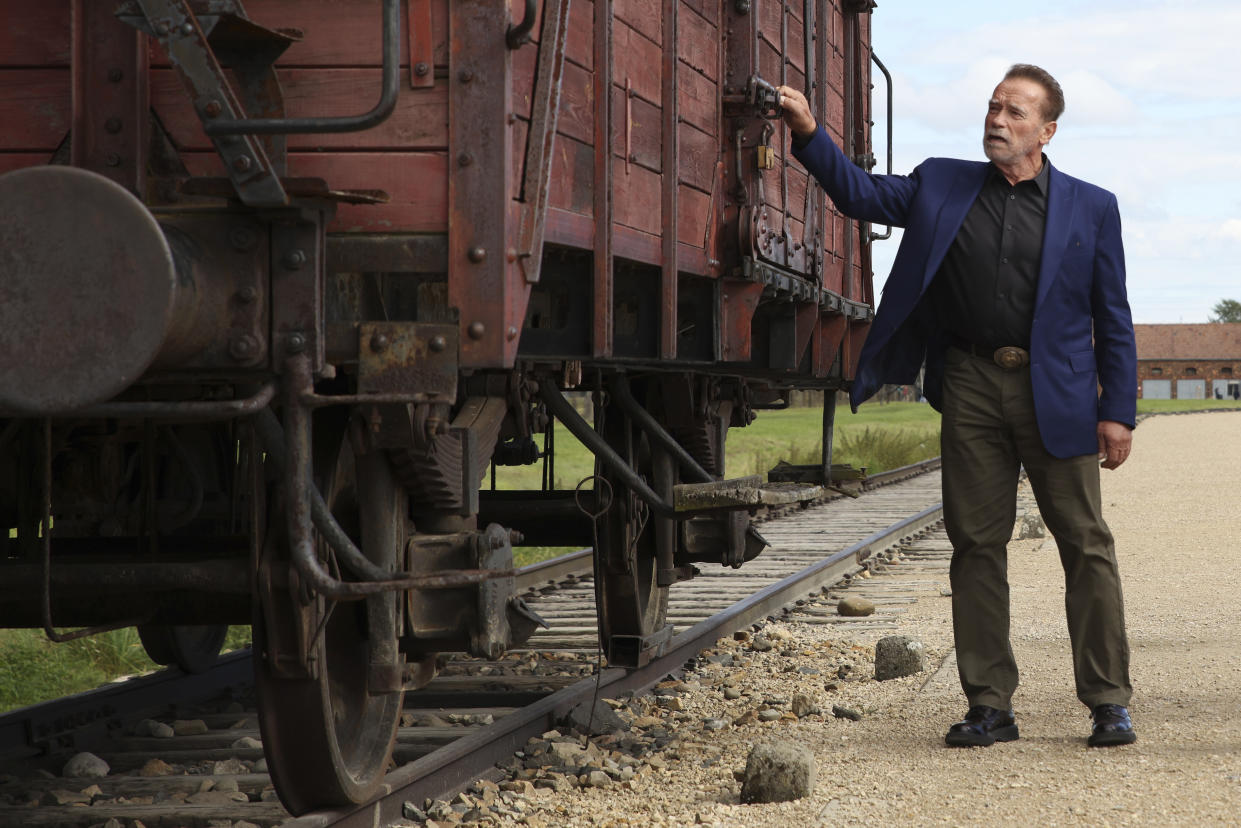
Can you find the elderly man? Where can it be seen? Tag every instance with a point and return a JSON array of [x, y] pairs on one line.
[[1010, 285]]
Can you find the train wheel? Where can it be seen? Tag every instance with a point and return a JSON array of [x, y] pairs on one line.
[[328, 739], [192, 647], [630, 603]]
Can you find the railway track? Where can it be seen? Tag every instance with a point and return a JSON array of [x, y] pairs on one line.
[[209, 770]]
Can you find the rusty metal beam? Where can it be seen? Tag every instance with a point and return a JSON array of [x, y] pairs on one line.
[[111, 99], [245, 158], [668, 183], [786, 213], [601, 341], [485, 284], [821, 229], [541, 141]]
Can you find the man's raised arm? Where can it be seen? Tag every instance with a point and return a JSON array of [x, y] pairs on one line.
[[882, 199]]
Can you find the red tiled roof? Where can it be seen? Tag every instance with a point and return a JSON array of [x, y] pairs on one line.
[[1209, 340]]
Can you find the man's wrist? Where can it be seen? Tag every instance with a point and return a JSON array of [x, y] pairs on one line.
[[801, 139]]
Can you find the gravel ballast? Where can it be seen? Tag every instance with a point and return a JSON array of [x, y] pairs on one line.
[[1173, 508]]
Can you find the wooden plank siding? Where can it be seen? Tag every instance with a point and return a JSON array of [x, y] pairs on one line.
[[335, 69], [34, 109], [711, 216], [34, 35]]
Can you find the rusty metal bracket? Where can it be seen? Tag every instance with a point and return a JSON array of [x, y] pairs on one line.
[[232, 124], [245, 47], [519, 34], [638, 650], [245, 158], [541, 141], [298, 243], [397, 356]]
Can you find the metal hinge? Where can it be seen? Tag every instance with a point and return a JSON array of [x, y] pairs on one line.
[[865, 160]]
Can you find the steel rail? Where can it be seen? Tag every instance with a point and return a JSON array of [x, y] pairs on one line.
[[450, 768], [576, 563], [901, 473]]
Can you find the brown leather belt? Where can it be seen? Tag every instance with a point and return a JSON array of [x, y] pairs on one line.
[[1010, 357]]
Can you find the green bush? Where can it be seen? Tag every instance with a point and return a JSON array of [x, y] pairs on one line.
[[882, 449]]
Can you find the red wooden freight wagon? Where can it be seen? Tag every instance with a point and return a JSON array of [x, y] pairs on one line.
[[281, 280]]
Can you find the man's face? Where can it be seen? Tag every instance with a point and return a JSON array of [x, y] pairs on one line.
[[1015, 128]]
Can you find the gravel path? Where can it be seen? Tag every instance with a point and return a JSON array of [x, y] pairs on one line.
[[1173, 509]]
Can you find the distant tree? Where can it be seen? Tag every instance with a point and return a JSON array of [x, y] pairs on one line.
[[1226, 310]]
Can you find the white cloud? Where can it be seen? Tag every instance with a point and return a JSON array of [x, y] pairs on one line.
[[1230, 229], [1096, 101]]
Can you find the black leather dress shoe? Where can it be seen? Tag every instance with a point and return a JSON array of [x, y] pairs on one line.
[[1112, 726], [982, 726]]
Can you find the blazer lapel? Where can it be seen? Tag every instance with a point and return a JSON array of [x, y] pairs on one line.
[[951, 216], [1060, 210]]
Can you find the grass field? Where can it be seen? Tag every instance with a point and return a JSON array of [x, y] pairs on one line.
[[1166, 406]]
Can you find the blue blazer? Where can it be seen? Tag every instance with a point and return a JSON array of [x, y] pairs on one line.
[[1082, 335]]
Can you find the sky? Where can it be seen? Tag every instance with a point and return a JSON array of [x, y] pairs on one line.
[[1152, 112]]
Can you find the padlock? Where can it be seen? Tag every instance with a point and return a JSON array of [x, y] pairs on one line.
[[766, 158]]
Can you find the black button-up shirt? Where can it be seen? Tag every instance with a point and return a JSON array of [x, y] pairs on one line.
[[984, 291]]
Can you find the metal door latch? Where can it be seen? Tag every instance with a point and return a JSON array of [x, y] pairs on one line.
[[760, 99], [764, 97]]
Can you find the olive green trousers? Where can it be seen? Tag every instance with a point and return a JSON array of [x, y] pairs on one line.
[[989, 432]]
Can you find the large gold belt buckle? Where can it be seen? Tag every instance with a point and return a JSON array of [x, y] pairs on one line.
[[1010, 357]]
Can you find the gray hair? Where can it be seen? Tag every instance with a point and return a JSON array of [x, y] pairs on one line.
[[1053, 108]]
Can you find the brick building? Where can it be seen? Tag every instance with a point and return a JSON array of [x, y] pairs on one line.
[[1189, 362]]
